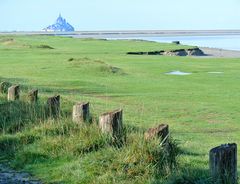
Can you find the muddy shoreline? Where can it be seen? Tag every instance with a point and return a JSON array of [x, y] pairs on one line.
[[219, 53]]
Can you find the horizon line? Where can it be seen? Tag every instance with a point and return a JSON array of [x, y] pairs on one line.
[[134, 33], [130, 30]]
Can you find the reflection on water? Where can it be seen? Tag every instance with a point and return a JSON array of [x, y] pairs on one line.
[[187, 73], [229, 42], [178, 73]]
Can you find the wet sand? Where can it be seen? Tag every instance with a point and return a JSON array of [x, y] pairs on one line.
[[219, 53]]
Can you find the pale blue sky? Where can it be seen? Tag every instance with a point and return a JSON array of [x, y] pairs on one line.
[[33, 15]]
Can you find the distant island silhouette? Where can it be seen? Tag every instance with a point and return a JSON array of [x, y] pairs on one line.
[[61, 25]]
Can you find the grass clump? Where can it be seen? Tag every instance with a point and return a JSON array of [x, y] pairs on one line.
[[41, 46], [98, 66]]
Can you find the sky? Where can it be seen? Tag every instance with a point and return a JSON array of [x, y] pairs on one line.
[[93, 15]]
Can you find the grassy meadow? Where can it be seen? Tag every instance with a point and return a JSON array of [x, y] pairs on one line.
[[201, 109]]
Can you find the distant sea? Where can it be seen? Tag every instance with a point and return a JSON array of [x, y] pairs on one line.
[[229, 42], [221, 39]]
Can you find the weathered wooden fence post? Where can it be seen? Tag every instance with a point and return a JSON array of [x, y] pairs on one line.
[[161, 131], [223, 164], [13, 93], [80, 112], [111, 123], [33, 95], [53, 105], [4, 87]]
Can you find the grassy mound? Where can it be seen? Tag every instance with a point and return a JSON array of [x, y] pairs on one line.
[[99, 66], [44, 47]]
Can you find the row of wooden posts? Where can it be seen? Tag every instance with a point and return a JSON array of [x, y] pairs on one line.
[[222, 159], [110, 122]]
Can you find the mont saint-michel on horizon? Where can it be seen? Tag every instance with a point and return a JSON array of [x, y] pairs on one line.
[[61, 25]]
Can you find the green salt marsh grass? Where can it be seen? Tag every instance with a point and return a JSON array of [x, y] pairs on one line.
[[201, 109]]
